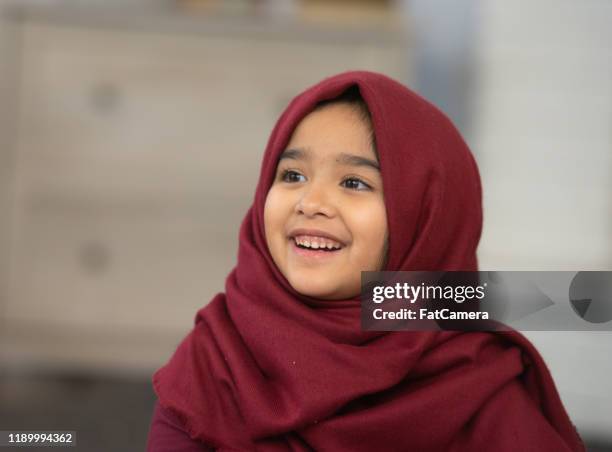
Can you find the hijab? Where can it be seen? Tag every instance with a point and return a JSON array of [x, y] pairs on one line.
[[266, 368]]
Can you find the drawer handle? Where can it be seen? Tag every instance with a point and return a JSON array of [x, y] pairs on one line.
[[105, 98], [95, 257]]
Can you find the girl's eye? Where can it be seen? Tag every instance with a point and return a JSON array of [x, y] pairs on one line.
[[290, 176], [354, 184]]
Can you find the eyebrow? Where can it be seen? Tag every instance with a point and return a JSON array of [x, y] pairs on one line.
[[343, 158]]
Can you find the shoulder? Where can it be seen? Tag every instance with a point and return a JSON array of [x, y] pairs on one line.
[[167, 433]]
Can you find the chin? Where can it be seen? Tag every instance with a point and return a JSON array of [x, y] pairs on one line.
[[314, 289]]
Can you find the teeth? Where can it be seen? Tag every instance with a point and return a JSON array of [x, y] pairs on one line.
[[317, 242]]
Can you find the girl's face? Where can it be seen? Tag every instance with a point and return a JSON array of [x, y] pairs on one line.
[[327, 193]]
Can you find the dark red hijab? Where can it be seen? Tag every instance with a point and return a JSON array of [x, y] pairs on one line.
[[268, 369]]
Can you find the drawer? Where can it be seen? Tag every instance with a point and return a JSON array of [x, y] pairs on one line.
[[110, 112], [102, 268]]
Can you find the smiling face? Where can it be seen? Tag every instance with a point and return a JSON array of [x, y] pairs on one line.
[[327, 194]]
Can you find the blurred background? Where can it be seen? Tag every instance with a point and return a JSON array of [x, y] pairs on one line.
[[131, 134]]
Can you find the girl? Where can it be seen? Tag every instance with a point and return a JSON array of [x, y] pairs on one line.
[[359, 174]]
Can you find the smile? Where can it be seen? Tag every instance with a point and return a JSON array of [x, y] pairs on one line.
[[316, 242], [315, 249]]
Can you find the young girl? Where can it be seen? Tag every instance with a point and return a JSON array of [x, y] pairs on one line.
[[360, 174]]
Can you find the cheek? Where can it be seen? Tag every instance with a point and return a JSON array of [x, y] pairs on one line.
[[370, 226], [269, 216], [275, 214]]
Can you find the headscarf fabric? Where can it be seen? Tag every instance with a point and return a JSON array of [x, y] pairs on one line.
[[266, 368]]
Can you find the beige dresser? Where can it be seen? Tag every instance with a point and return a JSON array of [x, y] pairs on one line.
[[133, 158]]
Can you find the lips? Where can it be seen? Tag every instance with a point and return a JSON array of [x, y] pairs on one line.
[[317, 235], [312, 254], [315, 245]]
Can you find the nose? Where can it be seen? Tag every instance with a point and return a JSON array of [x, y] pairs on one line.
[[315, 200]]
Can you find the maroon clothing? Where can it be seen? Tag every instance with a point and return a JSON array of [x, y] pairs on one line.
[[167, 434], [268, 369]]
